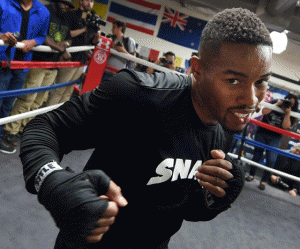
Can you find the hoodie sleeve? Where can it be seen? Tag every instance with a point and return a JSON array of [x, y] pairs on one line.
[[44, 25]]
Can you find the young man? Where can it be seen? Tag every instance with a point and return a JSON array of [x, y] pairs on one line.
[[122, 44], [272, 138], [167, 61], [58, 35], [31, 20], [159, 137], [80, 36]]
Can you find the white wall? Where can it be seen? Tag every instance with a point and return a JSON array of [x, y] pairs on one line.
[[160, 44], [286, 64]]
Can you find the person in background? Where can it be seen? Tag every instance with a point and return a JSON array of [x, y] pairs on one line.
[[290, 166], [158, 137], [121, 44], [189, 71], [58, 38], [81, 35], [31, 20], [167, 61], [271, 138]]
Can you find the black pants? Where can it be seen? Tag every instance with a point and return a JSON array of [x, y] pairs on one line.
[[64, 242]]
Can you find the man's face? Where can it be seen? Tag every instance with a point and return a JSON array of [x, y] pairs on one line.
[[116, 30], [87, 5], [296, 150], [170, 58], [228, 88], [63, 8]]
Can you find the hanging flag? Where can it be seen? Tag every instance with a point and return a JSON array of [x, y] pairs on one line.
[[149, 53], [181, 29], [178, 61], [187, 64], [139, 15], [100, 7]]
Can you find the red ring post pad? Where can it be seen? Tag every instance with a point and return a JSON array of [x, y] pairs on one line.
[[276, 129], [37, 64], [97, 64]]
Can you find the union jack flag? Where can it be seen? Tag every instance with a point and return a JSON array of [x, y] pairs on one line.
[[175, 18], [181, 29]]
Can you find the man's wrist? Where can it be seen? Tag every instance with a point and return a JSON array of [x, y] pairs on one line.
[[62, 52], [44, 172], [33, 43]]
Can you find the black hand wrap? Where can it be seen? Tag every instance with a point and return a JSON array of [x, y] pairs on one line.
[[73, 199], [235, 186]]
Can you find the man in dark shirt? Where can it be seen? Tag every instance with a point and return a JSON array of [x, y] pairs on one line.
[[58, 35], [30, 19], [160, 137], [271, 138], [81, 36]]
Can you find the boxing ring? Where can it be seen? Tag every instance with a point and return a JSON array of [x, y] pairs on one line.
[[97, 66], [268, 219]]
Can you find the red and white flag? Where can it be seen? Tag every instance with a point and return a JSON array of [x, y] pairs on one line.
[[149, 53], [139, 15]]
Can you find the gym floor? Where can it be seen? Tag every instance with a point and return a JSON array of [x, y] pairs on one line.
[[258, 219]]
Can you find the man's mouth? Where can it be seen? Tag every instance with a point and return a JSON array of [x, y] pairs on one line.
[[242, 117]]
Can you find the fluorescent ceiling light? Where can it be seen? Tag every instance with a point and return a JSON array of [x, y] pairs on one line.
[[279, 41]]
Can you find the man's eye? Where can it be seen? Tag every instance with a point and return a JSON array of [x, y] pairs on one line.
[[233, 81], [262, 83]]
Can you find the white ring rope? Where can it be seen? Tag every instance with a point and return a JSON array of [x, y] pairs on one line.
[[29, 114], [143, 62], [258, 165], [278, 109], [43, 48]]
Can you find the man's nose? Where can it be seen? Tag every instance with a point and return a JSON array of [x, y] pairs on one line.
[[248, 97]]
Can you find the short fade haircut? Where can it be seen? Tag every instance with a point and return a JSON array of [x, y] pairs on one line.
[[235, 26], [120, 24]]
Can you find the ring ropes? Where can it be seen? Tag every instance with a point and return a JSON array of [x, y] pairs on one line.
[[267, 147], [43, 48], [33, 64]]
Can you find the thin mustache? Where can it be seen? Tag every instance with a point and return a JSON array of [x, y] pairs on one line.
[[244, 108]]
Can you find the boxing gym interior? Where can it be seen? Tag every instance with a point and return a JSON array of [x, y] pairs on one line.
[[267, 218]]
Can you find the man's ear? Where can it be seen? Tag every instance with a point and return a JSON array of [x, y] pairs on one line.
[[196, 67]]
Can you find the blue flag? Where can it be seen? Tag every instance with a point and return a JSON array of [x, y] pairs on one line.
[[181, 29]]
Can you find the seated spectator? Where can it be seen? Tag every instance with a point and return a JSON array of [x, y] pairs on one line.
[[34, 15], [58, 37], [290, 166], [167, 61]]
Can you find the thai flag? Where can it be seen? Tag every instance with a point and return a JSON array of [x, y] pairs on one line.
[[139, 15]]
